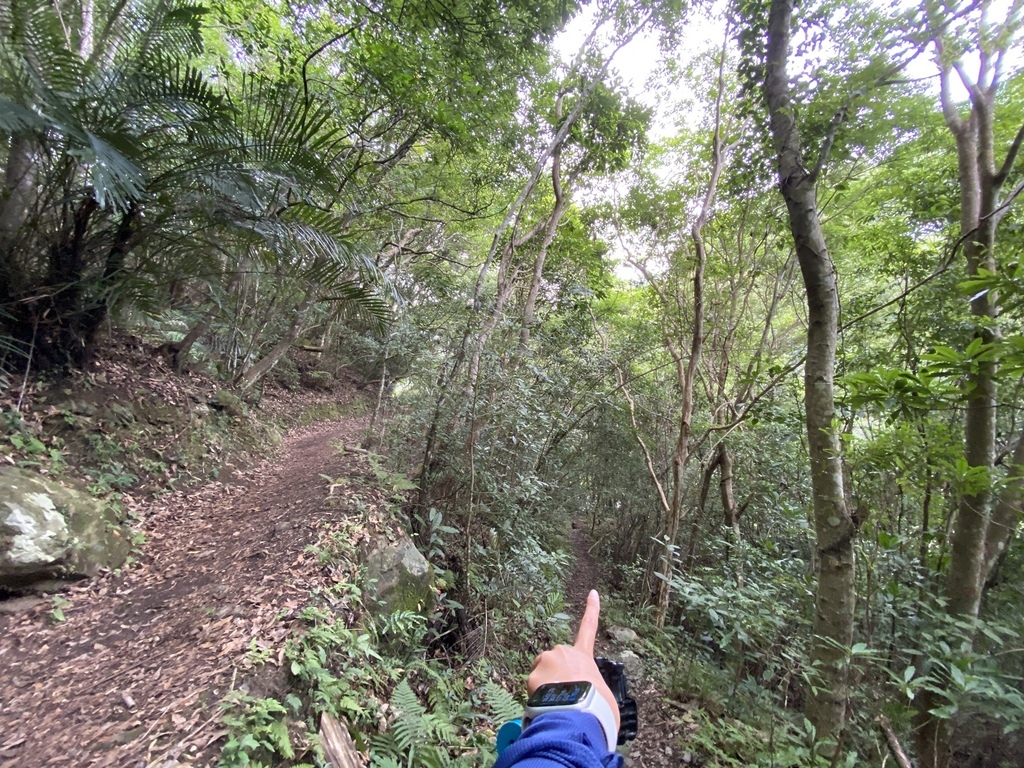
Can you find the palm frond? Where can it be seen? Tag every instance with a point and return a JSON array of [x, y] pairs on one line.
[[15, 118]]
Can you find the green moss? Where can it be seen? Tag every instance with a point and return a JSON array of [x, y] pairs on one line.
[[229, 403], [330, 412]]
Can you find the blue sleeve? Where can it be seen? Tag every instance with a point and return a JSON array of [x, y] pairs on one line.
[[561, 740]]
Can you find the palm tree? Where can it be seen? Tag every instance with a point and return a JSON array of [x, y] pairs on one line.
[[129, 169]]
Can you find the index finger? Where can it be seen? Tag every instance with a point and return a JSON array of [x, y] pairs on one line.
[[587, 633]]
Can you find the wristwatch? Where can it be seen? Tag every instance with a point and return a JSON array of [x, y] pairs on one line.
[[580, 696]]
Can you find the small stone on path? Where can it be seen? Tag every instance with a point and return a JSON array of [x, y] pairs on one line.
[[621, 635]]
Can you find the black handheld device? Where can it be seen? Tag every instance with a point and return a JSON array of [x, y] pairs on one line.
[[614, 674]]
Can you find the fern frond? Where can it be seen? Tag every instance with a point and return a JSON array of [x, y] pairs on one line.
[[410, 726], [503, 705]]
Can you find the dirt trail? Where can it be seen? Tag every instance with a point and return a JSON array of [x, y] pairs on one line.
[[586, 573], [661, 730], [134, 674]]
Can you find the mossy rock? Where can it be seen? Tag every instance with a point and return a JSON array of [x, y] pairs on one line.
[[229, 403], [47, 528], [399, 578], [322, 381]]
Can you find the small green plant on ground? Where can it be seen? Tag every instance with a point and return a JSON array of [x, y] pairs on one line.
[[445, 731], [731, 743], [260, 733], [34, 452], [396, 482], [58, 603], [112, 477]]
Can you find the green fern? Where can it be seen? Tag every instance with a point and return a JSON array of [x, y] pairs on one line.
[[410, 727], [503, 705], [417, 736]]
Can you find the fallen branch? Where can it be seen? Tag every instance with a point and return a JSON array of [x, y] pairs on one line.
[[339, 749], [894, 743]]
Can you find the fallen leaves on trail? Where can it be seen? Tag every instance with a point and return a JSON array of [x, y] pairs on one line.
[[135, 674]]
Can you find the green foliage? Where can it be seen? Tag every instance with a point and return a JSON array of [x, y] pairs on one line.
[[445, 730], [332, 663], [57, 606], [503, 705], [777, 743], [396, 482], [434, 534], [416, 736], [259, 732]]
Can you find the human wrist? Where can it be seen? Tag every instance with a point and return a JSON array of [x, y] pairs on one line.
[[580, 697]]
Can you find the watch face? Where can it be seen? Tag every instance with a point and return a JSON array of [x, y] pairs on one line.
[[559, 694]]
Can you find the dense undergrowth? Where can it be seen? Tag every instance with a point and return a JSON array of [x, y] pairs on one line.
[[558, 315], [408, 686], [429, 689]]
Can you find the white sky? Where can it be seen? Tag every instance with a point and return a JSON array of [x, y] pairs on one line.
[[639, 61]]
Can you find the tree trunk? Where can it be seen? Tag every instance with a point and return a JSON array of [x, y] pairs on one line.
[[731, 511], [177, 352], [1007, 514], [834, 528], [17, 187], [550, 228], [258, 370], [85, 42], [979, 534], [688, 371]]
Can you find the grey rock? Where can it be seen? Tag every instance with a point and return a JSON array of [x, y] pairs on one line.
[[621, 635], [399, 577], [34, 536], [634, 664], [48, 529]]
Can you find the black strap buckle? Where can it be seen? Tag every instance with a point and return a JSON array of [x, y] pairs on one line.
[[614, 674]]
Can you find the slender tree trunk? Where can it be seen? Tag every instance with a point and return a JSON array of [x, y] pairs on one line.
[[178, 351], [1007, 514], [834, 528], [979, 533], [731, 511], [85, 41], [529, 308], [253, 374], [688, 371], [967, 546]]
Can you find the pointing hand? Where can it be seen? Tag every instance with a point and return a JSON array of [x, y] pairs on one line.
[[569, 664]]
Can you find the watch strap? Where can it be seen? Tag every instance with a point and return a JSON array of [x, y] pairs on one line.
[[596, 705], [601, 709]]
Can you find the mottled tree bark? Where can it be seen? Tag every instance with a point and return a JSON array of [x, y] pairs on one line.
[[834, 528], [980, 533]]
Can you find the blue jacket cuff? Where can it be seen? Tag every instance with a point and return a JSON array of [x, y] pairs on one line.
[[561, 740]]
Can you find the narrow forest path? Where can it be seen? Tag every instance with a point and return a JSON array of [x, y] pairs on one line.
[[661, 727], [133, 675]]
